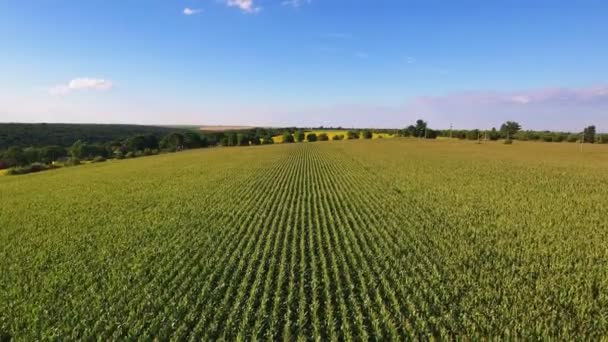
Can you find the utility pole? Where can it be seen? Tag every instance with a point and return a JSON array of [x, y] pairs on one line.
[[451, 130]]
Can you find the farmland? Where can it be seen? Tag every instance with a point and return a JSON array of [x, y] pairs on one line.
[[375, 239], [331, 133]]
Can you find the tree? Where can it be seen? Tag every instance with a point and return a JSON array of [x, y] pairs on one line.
[[473, 134], [367, 134], [49, 154], [589, 134], [268, 140], [421, 127], [14, 156], [192, 140], [287, 138], [323, 137], [242, 139], [409, 131], [300, 136], [135, 143], [77, 149], [494, 135], [232, 139], [256, 140], [509, 129], [311, 137], [173, 142], [32, 154], [352, 135]]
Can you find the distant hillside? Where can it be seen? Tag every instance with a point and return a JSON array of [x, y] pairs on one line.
[[23, 135], [223, 128]]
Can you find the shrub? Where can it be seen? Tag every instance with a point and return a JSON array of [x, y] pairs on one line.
[[367, 134], [338, 137], [130, 155], [311, 137], [98, 159], [300, 136], [287, 138], [34, 167], [267, 140], [352, 135], [508, 142], [72, 162], [323, 137], [572, 138]]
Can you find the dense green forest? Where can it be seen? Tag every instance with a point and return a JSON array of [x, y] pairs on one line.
[[38, 135]]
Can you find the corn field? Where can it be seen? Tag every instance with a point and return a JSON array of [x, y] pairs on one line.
[[351, 240]]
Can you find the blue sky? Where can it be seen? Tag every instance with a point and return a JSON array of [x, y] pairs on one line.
[[320, 62]]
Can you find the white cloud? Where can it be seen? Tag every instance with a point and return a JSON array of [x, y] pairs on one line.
[[244, 5], [82, 83], [295, 3], [192, 11]]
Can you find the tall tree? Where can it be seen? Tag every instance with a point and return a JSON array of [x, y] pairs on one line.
[[287, 138], [300, 136], [14, 156], [420, 128], [589, 134], [77, 149], [509, 129]]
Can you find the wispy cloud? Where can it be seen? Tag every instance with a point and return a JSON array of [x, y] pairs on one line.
[[83, 83], [246, 6], [191, 11], [295, 3]]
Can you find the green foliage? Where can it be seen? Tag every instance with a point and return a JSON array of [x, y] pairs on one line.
[[288, 138], [473, 135], [323, 137], [40, 135], [73, 161], [589, 134], [510, 128], [312, 137], [493, 134], [352, 135], [508, 142], [34, 167], [366, 134], [338, 137], [268, 140], [299, 136], [99, 159], [172, 142], [14, 156]]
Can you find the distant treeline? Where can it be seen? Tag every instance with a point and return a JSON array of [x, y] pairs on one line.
[[39, 135], [29, 148], [60, 145], [510, 130]]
